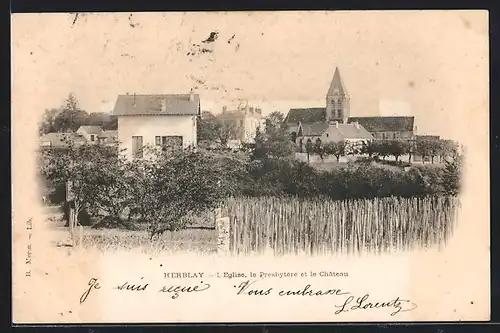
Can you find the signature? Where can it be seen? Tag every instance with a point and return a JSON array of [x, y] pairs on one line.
[[361, 303]]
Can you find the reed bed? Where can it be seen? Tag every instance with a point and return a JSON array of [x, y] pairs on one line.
[[319, 227]]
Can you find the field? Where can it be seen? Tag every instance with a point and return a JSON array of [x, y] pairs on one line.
[[287, 226], [196, 238]]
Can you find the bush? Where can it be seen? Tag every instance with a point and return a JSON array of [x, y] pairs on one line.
[[359, 179], [161, 192], [180, 183], [451, 176]]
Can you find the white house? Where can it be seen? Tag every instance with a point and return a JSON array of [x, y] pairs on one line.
[[91, 133], [245, 121], [95, 134], [156, 120]]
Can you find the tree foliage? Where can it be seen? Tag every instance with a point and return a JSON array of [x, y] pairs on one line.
[[213, 129], [69, 117], [335, 148], [48, 121], [159, 191], [172, 186], [91, 170], [274, 141]]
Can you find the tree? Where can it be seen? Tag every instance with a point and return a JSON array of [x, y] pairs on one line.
[[113, 178], [335, 148], [170, 187], [225, 131], [309, 148], [206, 129], [318, 148], [47, 124], [70, 103], [451, 175], [213, 129], [71, 117], [435, 148], [449, 149], [409, 148], [259, 150], [278, 140], [88, 168], [103, 119], [381, 148], [423, 148], [70, 121], [274, 141], [396, 148]]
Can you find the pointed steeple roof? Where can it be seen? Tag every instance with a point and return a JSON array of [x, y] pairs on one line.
[[337, 86]]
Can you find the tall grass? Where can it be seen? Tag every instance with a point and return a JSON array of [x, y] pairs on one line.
[[292, 225]]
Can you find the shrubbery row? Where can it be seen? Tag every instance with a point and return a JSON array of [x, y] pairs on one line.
[[190, 181]]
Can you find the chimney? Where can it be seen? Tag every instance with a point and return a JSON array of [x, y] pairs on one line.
[[345, 120], [191, 95], [336, 124], [356, 124], [224, 108]]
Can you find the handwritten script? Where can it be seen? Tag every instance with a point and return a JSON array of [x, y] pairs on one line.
[[173, 290], [342, 300]]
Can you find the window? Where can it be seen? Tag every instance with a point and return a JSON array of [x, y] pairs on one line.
[[241, 123], [137, 147], [394, 136], [383, 136], [168, 141], [339, 109], [92, 138]]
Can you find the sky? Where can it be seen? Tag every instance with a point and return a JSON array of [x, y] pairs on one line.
[[429, 64]]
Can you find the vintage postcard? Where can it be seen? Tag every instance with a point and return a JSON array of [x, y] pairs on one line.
[[250, 167]]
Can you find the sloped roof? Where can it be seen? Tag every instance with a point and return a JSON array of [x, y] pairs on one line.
[[314, 129], [306, 115], [91, 129], [350, 131], [384, 124], [59, 140], [342, 132], [337, 86], [175, 104]]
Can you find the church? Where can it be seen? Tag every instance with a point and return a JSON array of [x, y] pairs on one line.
[[333, 122]]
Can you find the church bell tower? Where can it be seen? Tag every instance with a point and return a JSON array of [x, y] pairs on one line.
[[337, 100]]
